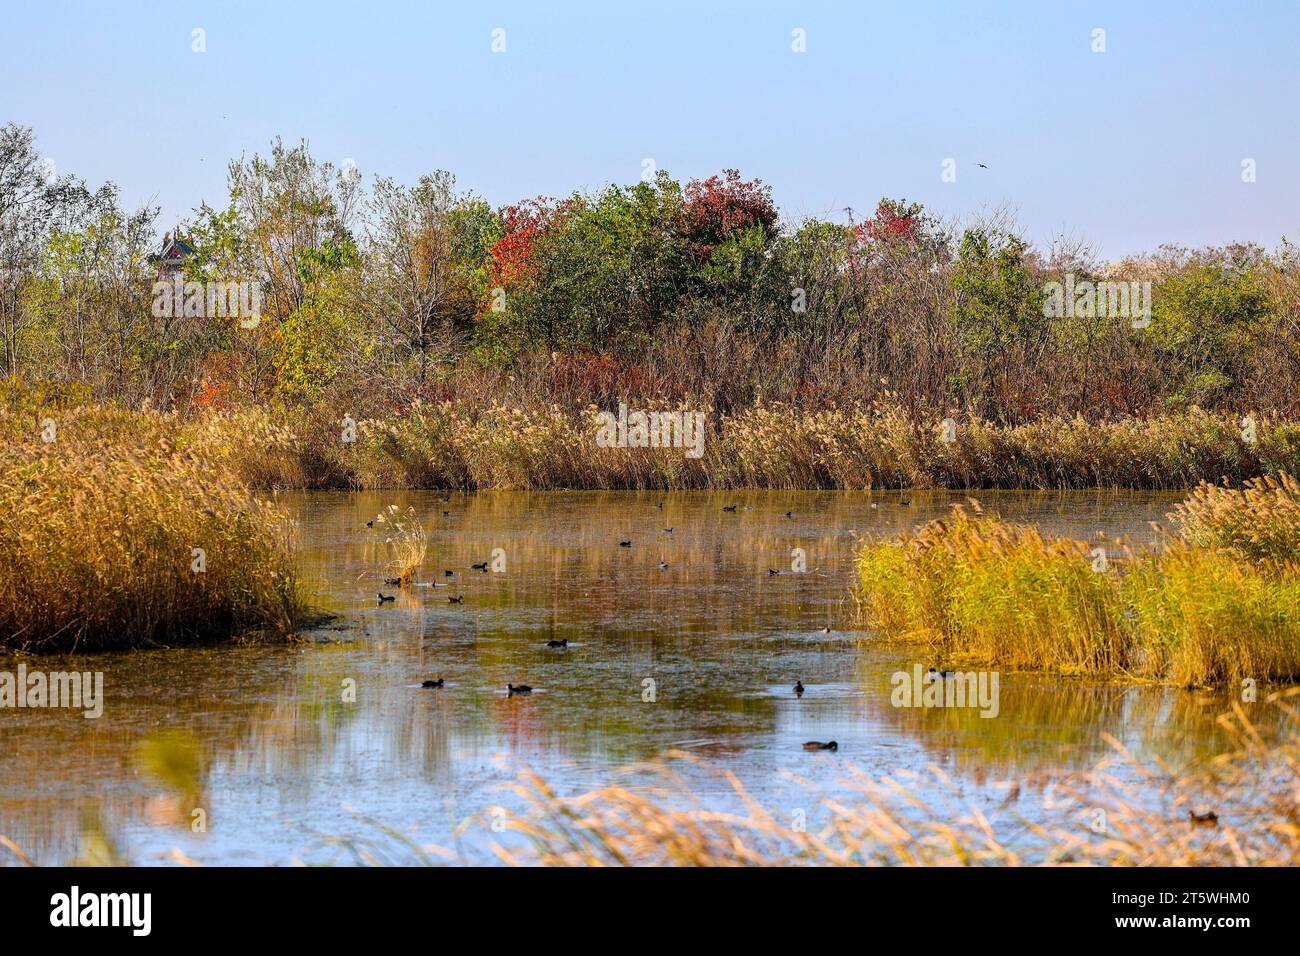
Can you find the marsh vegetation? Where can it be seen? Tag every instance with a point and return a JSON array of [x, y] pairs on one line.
[[1218, 601]]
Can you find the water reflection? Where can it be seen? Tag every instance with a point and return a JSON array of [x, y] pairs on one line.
[[295, 742]]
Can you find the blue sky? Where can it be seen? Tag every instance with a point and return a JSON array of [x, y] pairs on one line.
[[1126, 149]]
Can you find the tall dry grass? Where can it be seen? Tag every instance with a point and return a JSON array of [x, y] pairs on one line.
[[543, 445], [1259, 523], [1219, 603], [1137, 818], [996, 592], [1201, 616], [111, 536], [403, 540]]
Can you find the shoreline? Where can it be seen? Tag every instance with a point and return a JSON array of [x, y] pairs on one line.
[[765, 447]]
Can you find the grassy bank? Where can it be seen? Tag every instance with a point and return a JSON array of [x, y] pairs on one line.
[[112, 537], [1219, 603], [771, 446], [474, 443]]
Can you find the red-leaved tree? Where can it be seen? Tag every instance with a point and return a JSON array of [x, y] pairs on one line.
[[719, 206], [896, 220], [521, 224]]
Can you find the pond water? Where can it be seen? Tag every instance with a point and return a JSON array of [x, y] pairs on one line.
[[285, 760]]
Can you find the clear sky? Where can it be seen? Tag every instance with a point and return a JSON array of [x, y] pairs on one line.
[[1132, 147]]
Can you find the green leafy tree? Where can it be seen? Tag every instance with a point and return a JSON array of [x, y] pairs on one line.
[[295, 214], [611, 271], [998, 317], [33, 206], [1205, 318]]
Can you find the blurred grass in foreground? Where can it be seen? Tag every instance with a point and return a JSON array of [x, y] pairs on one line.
[[1238, 808]]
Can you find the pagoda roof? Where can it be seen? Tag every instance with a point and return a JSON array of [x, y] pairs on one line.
[[175, 248]]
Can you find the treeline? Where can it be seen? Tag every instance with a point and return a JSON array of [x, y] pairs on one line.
[[376, 294]]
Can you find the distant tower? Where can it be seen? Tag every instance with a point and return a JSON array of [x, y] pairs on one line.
[[174, 253]]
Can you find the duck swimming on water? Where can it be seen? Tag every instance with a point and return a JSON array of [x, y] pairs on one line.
[[520, 689], [798, 688], [432, 683], [562, 642], [386, 597], [818, 745]]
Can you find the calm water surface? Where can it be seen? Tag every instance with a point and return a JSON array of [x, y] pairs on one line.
[[285, 763]]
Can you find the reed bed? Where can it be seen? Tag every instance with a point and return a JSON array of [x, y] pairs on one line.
[[110, 536], [541, 446], [772, 446], [1219, 603], [1142, 816], [1000, 592], [1202, 617], [1259, 523]]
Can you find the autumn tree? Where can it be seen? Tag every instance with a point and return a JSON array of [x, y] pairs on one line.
[[296, 216], [425, 246], [609, 269]]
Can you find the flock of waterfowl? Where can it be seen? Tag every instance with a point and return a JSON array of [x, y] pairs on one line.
[[514, 689]]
